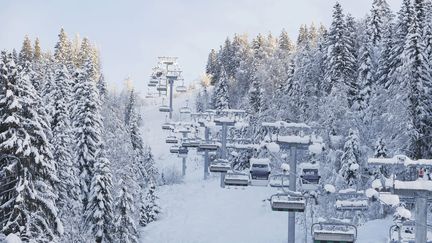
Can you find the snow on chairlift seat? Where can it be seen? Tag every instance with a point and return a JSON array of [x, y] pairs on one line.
[[164, 108], [151, 85], [181, 89], [167, 126], [352, 205], [279, 180], [336, 233], [220, 165], [191, 143], [154, 81], [236, 179], [171, 139], [287, 203]]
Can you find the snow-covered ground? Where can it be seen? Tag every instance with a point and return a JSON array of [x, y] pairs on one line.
[[201, 211]]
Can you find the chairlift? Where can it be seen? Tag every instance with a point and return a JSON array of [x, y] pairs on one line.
[[185, 110], [220, 165], [309, 179], [164, 108], [161, 87], [233, 178], [171, 139], [167, 126], [352, 205], [151, 85], [181, 89], [287, 203], [279, 180], [174, 149], [183, 152], [333, 232], [149, 96], [259, 171], [191, 143], [208, 146]]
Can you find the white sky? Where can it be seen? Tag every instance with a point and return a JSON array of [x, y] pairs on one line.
[[132, 33]]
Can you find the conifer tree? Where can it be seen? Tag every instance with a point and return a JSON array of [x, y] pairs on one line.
[[62, 50], [150, 210], [350, 159], [37, 55], [26, 53], [220, 94], [125, 227], [285, 42], [213, 66]]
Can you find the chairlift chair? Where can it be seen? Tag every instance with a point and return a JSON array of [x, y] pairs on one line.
[[309, 179], [259, 171], [161, 87], [352, 205], [174, 149], [151, 85], [164, 108], [233, 178], [183, 152], [167, 126], [220, 165], [333, 232], [181, 89], [185, 110], [171, 139], [287, 203], [208, 146], [279, 180]]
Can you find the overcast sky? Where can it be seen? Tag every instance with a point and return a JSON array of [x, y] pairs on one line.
[[132, 34]]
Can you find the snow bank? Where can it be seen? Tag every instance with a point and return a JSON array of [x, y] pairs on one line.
[[329, 188], [285, 167], [272, 147], [371, 193]]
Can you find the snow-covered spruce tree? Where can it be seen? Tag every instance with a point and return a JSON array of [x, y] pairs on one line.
[[339, 59], [68, 202], [26, 53], [99, 214], [87, 124], [130, 107], [380, 149], [366, 77], [37, 54], [417, 75], [350, 66], [220, 94], [24, 133], [62, 49], [285, 42], [380, 17], [350, 164], [150, 211], [213, 66], [125, 227], [102, 87]]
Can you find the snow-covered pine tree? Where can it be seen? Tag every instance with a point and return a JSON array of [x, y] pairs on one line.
[[213, 66], [220, 94], [350, 160], [380, 17], [417, 75], [366, 77], [69, 201], [102, 87], [381, 149], [24, 133], [26, 53], [350, 62], [87, 124], [37, 55], [150, 210], [99, 213], [285, 42], [62, 50], [125, 227]]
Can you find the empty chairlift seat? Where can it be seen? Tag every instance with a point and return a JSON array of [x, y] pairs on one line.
[[181, 89], [185, 110], [191, 143], [174, 149], [167, 126], [183, 152], [164, 108], [333, 232], [279, 180], [236, 179], [309, 179], [161, 87], [287, 203], [220, 165], [208, 146], [171, 139], [151, 84], [352, 205], [259, 171]]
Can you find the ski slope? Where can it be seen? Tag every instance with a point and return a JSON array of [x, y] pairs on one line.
[[198, 211]]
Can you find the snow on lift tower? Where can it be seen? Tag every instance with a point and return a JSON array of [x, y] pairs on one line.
[[309, 178], [405, 232], [236, 178], [325, 232], [259, 171]]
